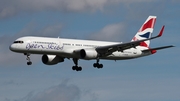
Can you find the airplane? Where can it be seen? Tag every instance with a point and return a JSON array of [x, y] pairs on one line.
[[55, 50]]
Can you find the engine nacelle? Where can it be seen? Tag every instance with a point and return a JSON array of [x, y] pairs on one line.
[[88, 54], [51, 59]]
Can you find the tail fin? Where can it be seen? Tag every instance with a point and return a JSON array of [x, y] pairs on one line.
[[145, 31]]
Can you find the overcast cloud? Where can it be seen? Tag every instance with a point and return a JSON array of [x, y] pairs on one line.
[[9, 8], [62, 92], [110, 32]]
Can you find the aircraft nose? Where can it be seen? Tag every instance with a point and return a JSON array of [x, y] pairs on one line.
[[12, 47]]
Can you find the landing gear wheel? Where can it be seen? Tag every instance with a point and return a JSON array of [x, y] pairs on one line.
[[98, 65], [79, 69], [29, 63], [74, 68], [28, 59], [76, 65], [95, 65]]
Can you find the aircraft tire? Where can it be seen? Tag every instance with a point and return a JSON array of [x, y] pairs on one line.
[[29, 63], [78, 68], [100, 66], [74, 68], [95, 65]]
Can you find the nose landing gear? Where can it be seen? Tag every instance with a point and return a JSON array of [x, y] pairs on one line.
[[28, 59]]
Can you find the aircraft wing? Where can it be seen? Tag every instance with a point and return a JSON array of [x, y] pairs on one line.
[[107, 50]]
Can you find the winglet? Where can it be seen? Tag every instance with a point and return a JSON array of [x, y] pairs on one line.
[[161, 32], [159, 35]]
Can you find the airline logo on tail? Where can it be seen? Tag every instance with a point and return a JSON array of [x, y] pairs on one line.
[[145, 31], [146, 35]]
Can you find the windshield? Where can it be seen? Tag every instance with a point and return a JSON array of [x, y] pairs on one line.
[[18, 42]]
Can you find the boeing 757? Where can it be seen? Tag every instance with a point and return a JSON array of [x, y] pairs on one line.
[[55, 50]]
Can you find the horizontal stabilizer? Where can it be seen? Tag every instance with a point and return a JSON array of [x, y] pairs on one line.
[[158, 48]]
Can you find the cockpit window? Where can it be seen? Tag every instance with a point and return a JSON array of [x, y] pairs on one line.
[[18, 42]]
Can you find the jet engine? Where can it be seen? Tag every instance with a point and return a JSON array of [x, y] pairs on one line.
[[88, 54], [51, 59]]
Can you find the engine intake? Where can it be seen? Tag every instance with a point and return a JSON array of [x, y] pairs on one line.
[[51, 59]]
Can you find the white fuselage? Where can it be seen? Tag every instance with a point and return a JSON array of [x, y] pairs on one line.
[[65, 47]]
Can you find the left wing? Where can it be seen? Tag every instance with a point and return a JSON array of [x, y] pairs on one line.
[[107, 50]]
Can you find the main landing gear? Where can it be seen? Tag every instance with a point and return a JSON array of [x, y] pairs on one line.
[[77, 68], [28, 59], [97, 64], [76, 65]]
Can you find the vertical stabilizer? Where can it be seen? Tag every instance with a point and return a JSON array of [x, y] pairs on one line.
[[145, 31]]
